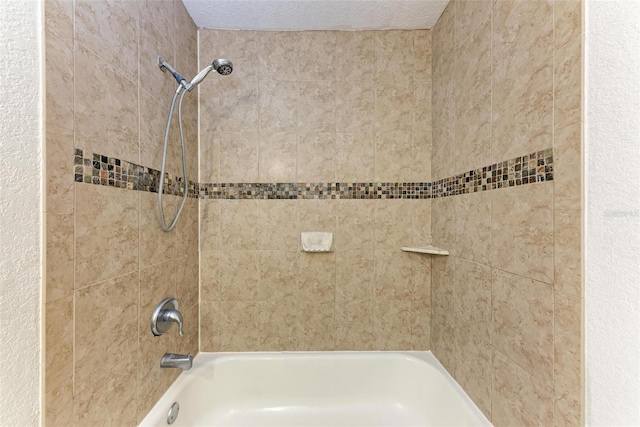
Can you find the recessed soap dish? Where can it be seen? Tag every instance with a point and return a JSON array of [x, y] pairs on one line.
[[316, 241]]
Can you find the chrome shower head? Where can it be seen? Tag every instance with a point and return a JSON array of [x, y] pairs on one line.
[[223, 66]]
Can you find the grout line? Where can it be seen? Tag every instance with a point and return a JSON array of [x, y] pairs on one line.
[[553, 210], [491, 373], [75, 197]]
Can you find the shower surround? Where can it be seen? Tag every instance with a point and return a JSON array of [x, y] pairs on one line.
[[506, 305], [107, 261], [317, 131], [336, 126]]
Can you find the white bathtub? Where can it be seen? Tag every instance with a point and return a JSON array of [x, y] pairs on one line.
[[317, 389]]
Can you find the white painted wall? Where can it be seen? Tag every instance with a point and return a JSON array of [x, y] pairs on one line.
[[20, 212], [612, 228]]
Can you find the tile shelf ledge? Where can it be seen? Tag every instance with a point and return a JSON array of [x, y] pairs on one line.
[[431, 250]]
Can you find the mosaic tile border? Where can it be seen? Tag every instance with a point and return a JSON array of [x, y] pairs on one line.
[[320, 190], [523, 170], [92, 168]]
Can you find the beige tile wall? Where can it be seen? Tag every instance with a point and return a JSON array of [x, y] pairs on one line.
[[317, 106], [506, 306], [107, 261]]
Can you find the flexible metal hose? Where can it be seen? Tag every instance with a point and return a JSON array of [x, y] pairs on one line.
[[163, 223]]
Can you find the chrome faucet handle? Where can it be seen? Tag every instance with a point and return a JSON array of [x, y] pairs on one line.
[[172, 315], [164, 315]]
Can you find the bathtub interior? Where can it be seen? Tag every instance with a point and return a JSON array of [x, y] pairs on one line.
[[317, 389]]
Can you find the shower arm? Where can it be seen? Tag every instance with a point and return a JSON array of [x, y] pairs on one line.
[[182, 82]]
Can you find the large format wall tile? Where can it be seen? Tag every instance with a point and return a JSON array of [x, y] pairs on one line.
[[238, 156], [354, 276], [392, 325], [392, 279], [522, 231], [59, 81], [568, 339], [59, 261], [107, 28], [60, 188], [393, 155], [278, 153], [393, 223], [278, 276], [354, 325], [278, 105], [59, 342], [187, 229], [156, 245], [106, 316], [354, 105], [355, 225], [58, 19], [443, 311], [241, 47], [239, 324], [354, 156], [316, 50], [239, 224], [522, 83], [568, 66], [568, 252], [239, 275], [315, 157], [443, 98], [473, 84], [106, 238], [153, 122], [278, 325], [278, 225], [355, 52], [518, 398], [522, 323], [316, 106], [230, 104], [278, 55], [187, 281], [156, 40], [316, 276], [100, 92], [567, 158], [316, 329], [443, 222], [473, 227], [210, 326]]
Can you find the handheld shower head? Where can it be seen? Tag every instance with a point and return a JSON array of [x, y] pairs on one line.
[[222, 66]]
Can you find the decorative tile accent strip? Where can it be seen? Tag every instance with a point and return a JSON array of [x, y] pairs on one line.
[[531, 168], [93, 168], [321, 190]]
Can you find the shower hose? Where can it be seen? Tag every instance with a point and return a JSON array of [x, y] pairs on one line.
[[163, 223]]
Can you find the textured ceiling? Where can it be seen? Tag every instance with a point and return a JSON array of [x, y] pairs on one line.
[[315, 14]]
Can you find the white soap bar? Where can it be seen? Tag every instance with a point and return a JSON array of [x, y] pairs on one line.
[[316, 241]]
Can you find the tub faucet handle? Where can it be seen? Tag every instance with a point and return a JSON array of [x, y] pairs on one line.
[[164, 315], [172, 316]]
